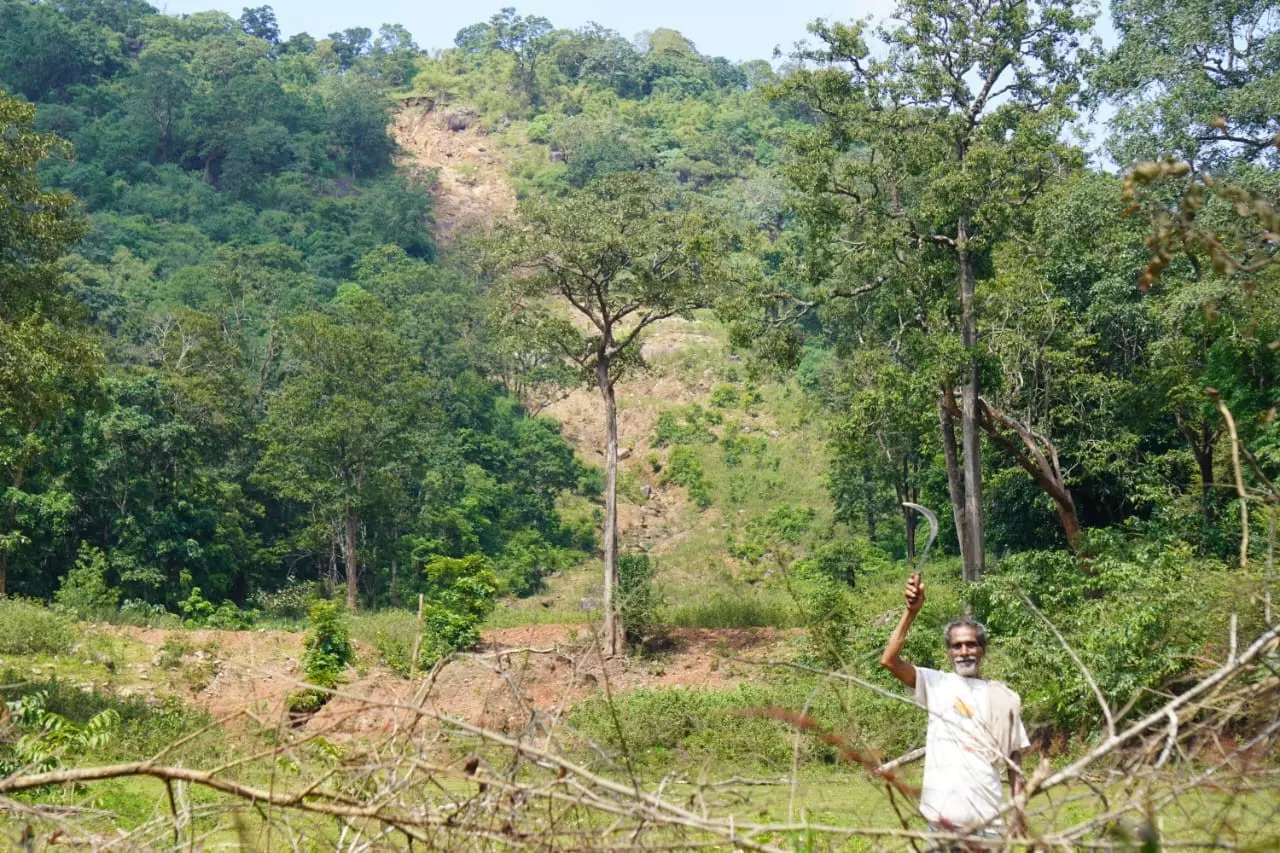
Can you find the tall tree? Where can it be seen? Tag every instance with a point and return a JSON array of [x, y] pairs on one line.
[[1195, 80], [44, 359], [932, 149], [338, 426], [622, 254]]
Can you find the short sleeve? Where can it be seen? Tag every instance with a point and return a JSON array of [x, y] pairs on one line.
[[926, 683], [1020, 739]]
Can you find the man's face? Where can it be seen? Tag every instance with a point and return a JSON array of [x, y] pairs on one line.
[[965, 652]]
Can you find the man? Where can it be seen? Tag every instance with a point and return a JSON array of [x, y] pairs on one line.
[[975, 728]]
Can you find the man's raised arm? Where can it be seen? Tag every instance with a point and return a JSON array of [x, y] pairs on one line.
[[891, 659]]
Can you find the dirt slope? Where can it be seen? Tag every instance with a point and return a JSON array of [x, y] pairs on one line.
[[472, 189], [515, 674]]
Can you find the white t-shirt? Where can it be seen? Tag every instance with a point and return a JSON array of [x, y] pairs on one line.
[[962, 762]]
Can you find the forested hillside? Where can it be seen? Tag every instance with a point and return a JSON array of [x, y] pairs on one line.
[[595, 342]]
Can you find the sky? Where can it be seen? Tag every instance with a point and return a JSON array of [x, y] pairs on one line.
[[736, 29]]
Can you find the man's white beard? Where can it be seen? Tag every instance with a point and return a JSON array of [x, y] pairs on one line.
[[966, 667]]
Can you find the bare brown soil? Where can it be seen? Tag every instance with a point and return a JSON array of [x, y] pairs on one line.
[[472, 189], [513, 675]]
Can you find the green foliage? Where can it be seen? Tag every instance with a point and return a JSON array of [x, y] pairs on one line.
[[142, 729], [736, 444], [827, 606], [684, 468], [393, 633], [47, 737], [327, 647], [844, 559], [638, 603], [461, 593], [83, 592], [669, 728], [195, 609], [1136, 616], [290, 602], [689, 426], [28, 628]]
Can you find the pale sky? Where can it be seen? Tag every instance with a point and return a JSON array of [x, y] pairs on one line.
[[736, 29]]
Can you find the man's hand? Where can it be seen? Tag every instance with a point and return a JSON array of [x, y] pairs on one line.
[[891, 660], [914, 593]]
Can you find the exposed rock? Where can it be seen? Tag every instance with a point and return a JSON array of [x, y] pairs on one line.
[[457, 120]]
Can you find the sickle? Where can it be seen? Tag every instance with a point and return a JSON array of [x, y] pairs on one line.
[[933, 531]]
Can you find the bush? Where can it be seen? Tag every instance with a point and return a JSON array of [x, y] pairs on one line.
[[83, 592], [844, 559], [328, 645], [724, 396], [827, 607], [1134, 614], [28, 628], [684, 469], [526, 559], [691, 427], [200, 613], [736, 445], [195, 609], [461, 593], [135, 611], [290, 602], [637, 602], [143, 729]]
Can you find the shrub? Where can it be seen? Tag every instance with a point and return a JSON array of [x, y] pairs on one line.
[[328, 645], [197, 612], [1134, 615], [684, 469], [724, 396], [667, 726], [289, 602], [637, 602], [135, 611], [736, 445], [28, 628], [195, 609], [691, 427], [844, 559], [526, 559], [143, 729], [228, 617], [827, 608], [83, 592], [461, 593]]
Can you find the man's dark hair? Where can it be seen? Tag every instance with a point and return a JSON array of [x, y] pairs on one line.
[[977, 627]]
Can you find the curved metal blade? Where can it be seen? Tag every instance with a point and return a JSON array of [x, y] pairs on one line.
[[933, 530]]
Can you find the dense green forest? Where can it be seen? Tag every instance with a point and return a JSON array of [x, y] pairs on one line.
[[235, 361], [968, 257]]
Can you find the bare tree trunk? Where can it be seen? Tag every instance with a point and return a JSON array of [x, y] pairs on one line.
[[975, 560], [4, 572], [1202, 449], [955, 485], [869, 503], [612, 624], [353, 562], [395, 583]]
